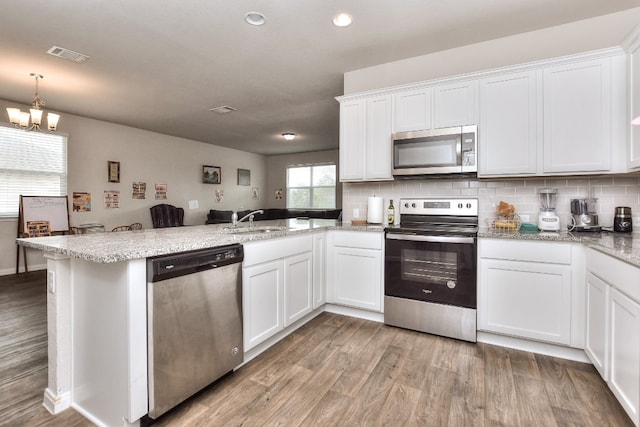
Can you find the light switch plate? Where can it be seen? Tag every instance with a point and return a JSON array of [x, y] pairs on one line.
[[193, 204]]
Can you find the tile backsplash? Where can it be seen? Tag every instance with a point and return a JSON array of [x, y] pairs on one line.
[[611, 191]]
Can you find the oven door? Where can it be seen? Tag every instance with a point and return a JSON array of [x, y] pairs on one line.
[[439, 269]]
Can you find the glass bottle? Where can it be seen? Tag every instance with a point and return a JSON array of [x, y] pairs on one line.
[[391, 213]]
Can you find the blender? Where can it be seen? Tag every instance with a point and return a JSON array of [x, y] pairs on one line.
[[548, 220]]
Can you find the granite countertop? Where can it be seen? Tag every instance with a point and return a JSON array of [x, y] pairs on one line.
[[127, 245], [623, 246]]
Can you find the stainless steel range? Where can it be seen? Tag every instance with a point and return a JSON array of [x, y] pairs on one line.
[[430, 267]]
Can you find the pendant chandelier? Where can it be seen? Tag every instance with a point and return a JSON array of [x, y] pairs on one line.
[[21, 119]]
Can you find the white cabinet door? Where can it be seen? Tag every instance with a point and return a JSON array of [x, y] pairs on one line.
[[319, 268], [577, 117], [297, 287], [262, 299], [634, 91], [412, 110], [352, 140], [624, 378], [356, 277], [530, 300], [597, 339], [507, 130], [455, 104], [378, 139]]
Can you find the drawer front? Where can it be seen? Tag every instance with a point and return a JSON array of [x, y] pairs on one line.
[[615, 272], [270, 249], [543, 251], [358, 239]]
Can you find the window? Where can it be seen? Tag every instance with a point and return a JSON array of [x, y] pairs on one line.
[[311, 187], [31, 164]]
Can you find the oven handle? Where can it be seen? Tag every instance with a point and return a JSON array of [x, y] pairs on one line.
[[435, 239]]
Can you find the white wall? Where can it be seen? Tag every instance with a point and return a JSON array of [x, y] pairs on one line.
[[581, 36], [277, 173], [148, 157]]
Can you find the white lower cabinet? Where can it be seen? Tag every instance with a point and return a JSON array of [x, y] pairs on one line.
[[356, 269], [613, 327], [319, 269], [526, 289], [624, 377], [276, 286], [597, 336]]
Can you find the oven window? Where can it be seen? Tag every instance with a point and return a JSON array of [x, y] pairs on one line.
[[429, 266]]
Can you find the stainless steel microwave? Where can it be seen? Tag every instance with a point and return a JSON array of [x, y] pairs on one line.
[[438, 151]]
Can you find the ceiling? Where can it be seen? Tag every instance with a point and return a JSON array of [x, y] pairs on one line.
[[161, 65]]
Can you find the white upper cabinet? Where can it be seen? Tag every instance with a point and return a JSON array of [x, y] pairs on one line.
[[508, 127], [365, 139], [352, 140], [378, 139], [633, 49], [412, 110], [577, 117], [454, 104]]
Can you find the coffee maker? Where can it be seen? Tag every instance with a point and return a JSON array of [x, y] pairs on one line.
[[584, 215]]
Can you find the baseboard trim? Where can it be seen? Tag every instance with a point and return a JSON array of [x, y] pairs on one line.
[[56, 403], [8, 271], [559, 351]]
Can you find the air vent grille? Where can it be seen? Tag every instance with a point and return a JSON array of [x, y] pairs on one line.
[[70, 55], [223, 109]]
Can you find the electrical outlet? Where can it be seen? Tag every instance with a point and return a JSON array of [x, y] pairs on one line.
[[524, 218], [51, 282], [356, 213]]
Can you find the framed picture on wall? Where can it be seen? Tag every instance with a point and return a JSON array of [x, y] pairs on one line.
[[244, 177], [211, 174], [113, 171]]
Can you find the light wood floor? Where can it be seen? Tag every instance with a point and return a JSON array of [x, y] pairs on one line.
[[335, 370]]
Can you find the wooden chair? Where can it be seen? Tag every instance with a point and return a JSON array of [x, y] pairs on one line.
[[136, 226], [122, 228]]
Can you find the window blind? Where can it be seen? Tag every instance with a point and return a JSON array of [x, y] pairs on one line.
[[31, 164]]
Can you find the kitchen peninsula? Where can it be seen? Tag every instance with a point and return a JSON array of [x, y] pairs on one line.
[[97, 309]]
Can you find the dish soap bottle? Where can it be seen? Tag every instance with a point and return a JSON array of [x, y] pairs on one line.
[[391, 211]]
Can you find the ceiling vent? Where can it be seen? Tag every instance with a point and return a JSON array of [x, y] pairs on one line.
[[70, 55], [223, 109]]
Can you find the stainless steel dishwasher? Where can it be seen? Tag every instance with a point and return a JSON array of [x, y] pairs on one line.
[[194, 322]]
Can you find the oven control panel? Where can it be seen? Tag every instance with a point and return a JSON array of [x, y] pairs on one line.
[[459, 207]]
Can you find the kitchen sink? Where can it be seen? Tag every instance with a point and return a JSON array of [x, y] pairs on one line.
[[253, 230]]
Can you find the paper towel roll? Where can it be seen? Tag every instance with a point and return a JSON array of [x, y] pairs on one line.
[[375, 210]]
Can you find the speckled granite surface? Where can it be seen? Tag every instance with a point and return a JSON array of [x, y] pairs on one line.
[[623, 246], [127, 245]]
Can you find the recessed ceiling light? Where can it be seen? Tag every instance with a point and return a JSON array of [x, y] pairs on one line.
[[342, 20], [289, 136], [223, 109], [255, 18]]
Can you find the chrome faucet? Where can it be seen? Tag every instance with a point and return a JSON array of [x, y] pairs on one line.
[[235, 221]]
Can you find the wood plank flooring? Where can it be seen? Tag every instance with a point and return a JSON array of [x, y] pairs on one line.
[[335, 370]]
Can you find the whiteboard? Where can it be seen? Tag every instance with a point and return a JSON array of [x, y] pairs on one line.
[[45, 208]]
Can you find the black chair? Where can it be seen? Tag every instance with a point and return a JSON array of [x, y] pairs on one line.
[[164, 215]]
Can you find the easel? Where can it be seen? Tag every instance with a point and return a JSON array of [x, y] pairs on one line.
[[40, 209]]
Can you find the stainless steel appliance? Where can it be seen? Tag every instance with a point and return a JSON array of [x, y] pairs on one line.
[[194, 322], [438, 151], [622, 220], [430, 267], [584, 216]]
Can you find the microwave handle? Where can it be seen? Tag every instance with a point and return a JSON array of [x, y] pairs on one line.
[[459, 150]]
